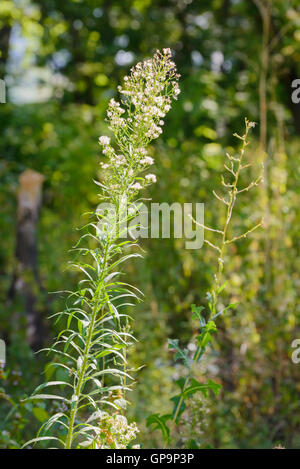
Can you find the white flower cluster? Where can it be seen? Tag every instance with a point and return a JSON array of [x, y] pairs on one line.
[[146, 98], [104, 141], [114, 113], [115, 432]]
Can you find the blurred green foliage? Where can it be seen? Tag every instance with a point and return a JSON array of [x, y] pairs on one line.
[[78, 51]]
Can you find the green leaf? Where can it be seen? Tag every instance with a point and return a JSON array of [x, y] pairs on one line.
[[181, 382], [181, 354], [49, 370], [46, 396], [205, 337], [215, 387], [159, 422], [41, 438], [192, 444], [232, 305], [52, 420], [50, 383], [79, 363], [221, 288], [201, 387], [98, 415], [179, 406], [40, 414], [196, 310]]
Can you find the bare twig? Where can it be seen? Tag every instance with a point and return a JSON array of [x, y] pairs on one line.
[[244, 235]]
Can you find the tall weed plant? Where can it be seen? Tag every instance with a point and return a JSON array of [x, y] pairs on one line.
[[92, 346], [188, 385]]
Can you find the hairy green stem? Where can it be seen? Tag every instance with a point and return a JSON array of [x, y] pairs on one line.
[[85, 358]]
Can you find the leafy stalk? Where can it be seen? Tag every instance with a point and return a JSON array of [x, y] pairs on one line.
[[91, 348]]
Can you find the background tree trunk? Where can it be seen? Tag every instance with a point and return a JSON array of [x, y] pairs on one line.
[[26, 283]]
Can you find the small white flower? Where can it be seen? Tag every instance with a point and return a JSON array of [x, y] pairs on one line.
[[120, 160], [147, 160], [114, 103], [150, 178], [103, 140], [136, 186]]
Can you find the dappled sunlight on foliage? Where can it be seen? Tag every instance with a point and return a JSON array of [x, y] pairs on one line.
[[63, 64]]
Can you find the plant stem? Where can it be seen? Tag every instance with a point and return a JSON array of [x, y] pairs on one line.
[[232, 198], [186, 382], [85, 356]]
